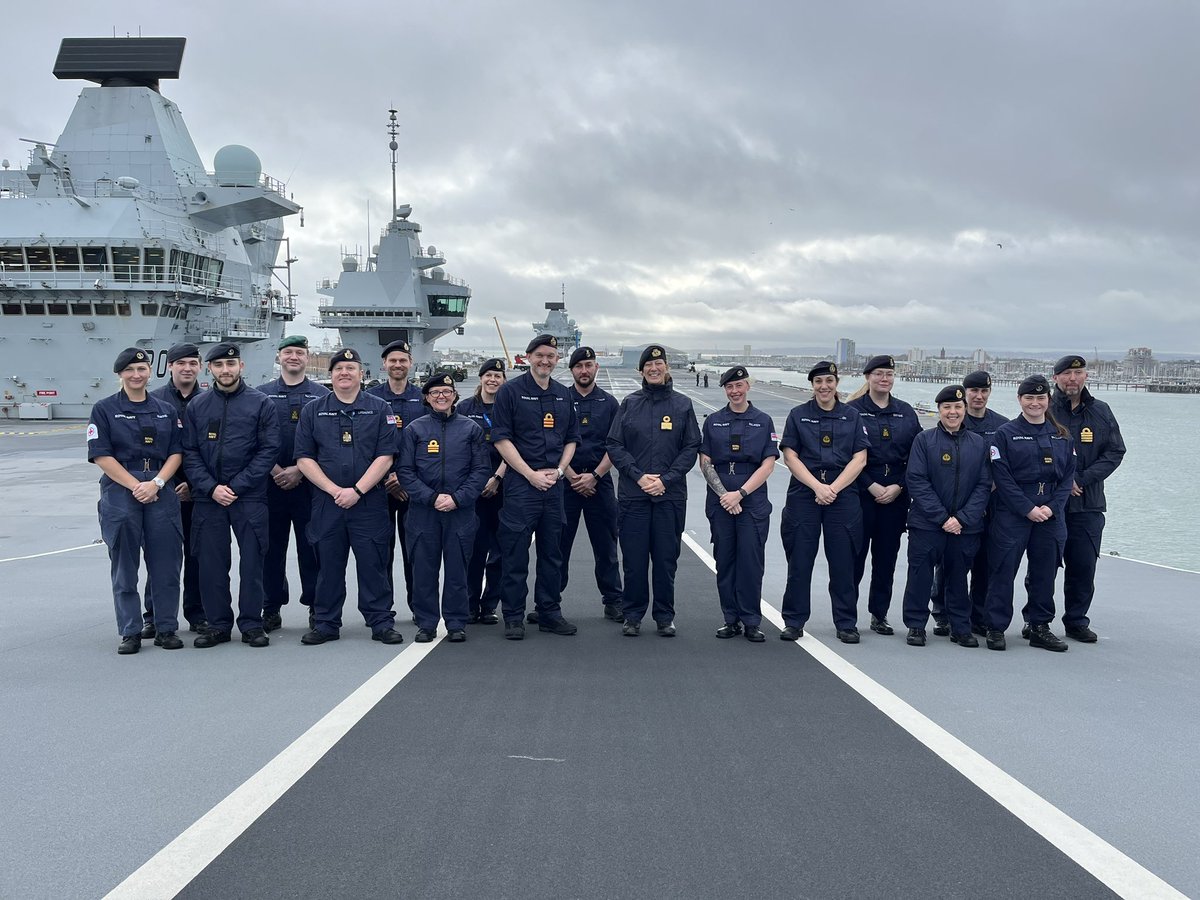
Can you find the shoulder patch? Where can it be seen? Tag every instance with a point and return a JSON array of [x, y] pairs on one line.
[[995, 452], [92, 432]]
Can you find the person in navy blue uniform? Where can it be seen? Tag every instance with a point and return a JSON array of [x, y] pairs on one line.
[[183, 366], [289, 496], [981, 421], [483, 597], [824, 446], [230, 442], [1099, 449], [590, 491], [949, 480], [346, 445], [442, 466], [738, 449], [653, 443], [535, 431], [1033, 467], [135, 439], [407, 404], [891, 426]]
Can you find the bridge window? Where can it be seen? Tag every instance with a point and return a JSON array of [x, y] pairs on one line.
[[126, 262], [56, 309], [39, 258], [447, 306], [66, 259], [81, 309], [154, 264], [12, 258], [105, 309], [149, 309], [10, 309], [95, 259], [35, 309]]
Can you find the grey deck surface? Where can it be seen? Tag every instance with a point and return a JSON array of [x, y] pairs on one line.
[[692, 767]]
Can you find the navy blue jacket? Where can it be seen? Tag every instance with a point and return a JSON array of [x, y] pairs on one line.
[[171, 395], [824, 440], [948, 475], [595, 414], [891, 430], [1032, 466], [442, 454], [289, 399], [232, 439], [132, 432], [481, 414], [406, 407], [985, 426], [655, 431], [737, 443], [1099, 446], [540, 423], [345, 438]]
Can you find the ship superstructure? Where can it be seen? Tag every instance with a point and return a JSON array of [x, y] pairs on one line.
[[560, 324], [400, 291], [116, 235]]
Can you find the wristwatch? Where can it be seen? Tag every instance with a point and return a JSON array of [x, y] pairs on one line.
[[159, 482], [357, 491], [742, 491], [560, 472]]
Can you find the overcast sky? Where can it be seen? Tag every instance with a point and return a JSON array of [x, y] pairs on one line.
[[778, 173]]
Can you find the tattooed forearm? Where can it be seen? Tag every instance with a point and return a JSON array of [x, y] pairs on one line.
[[710, 475]]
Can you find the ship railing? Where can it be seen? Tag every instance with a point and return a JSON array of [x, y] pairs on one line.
[[445, 279], [384, 318], [125, 278], [247, 328], [266, 182]]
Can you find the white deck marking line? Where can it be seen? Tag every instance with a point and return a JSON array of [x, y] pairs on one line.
[[174, 866], [1096, 856], [539, 758], [51, 552]]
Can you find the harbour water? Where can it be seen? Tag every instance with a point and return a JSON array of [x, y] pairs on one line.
[[1152, 497]]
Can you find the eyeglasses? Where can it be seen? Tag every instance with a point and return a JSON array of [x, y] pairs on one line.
[[441, 394]]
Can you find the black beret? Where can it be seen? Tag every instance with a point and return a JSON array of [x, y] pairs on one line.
[[580, 355], [491, 365], [402, 346], [654, 351], [224, 350], [1034, 384], [437, 380], [294, 340], [737, 373], [182, 351], [978, 379], [1074, 361], [822, 368], [349, 354], [129, 356], [879, 362], [951, 393], [542, 340]]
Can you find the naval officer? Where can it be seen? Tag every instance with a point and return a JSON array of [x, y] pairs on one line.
[[483, 598], [345, 445], [653, 444], [289, 495], [230, 443], [1033, 468], [891, 427], [1099, 449], [590, 490], [536, 433], [183, 365], [442, 466], [406, 404], [949, 480], [981, 421], [738, 449], [135, 440], [824, 446]]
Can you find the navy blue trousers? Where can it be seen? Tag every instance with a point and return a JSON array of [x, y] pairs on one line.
[[333, 533], [1084, 530], [483, 596], [211, 527], [599, 513], [882, 526], [288, 511], [437, 539], [952, 554], [977, 592], [803, 523], [397, 510], [1012, 537], [130, 528], [739, 548], [650, 535], [538, 515], [193, 609]]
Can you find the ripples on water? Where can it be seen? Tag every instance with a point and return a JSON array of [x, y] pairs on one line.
[[1153, 498]]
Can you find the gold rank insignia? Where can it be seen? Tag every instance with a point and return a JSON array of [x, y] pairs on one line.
[[434, 447], [735, 447], [348, 354], [825, 439], [832, 369], [347, 437], [295, 414], [1076, 363], [666, 424], [945, 457], [140, 356], [212, 435], [655, 353], [548, 420], [1086, 436], [399, 422], [958, 395], [583, 421], [886, 433]]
